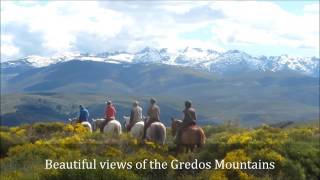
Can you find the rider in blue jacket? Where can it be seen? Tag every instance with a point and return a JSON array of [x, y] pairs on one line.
[[84, 114]]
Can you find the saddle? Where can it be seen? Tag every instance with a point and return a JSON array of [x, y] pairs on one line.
[[104, 123], [130, 126], [192, 125]]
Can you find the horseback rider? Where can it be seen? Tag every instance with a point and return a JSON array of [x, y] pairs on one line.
[[110, 114], [189, 119], [135, 116], [153, 115], [83, 115]]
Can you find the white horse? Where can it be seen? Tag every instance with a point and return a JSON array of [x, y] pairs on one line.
[[86, 124], [113, 126], [137, 129], [156, 131]]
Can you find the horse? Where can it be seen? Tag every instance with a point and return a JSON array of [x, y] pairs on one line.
[[97, 123], [191, 137], [136, 130], [156, 131], [86, 124], [113, 126]]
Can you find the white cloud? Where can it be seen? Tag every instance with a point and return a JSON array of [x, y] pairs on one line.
[[7, 48], [59, 26], [181, 7], [59, 22], [311, 8], [265, 23]]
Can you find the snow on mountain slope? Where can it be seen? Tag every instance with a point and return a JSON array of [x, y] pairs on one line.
[[205, 59], [306, 65], [148, 55], [196, 57], [236, 60], [122, 57]]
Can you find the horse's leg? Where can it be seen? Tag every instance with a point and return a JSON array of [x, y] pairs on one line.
[[178, 149], [192, 147], [187, 148]]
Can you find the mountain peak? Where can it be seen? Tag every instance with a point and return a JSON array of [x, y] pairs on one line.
[[206, 59], [148, 49]]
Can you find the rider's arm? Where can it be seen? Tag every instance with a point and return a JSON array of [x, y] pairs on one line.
[[106, 113], [80, 114], [114, 111], [149, 112], [131, 117], [158, 113]]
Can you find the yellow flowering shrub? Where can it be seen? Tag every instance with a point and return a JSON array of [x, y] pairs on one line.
[[14, 129], [21, 132], [295, 151], [244, 176], [237, 156], [71, 141], [8, 140], [80, 129], [112, 152], [301, 133], [218, 175], [12, 175], [243, 138], [68, 128], [269, 155]]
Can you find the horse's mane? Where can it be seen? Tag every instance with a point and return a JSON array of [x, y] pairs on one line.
[[177, 120]]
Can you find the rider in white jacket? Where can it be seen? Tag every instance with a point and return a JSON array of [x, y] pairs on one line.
[[136, 115]]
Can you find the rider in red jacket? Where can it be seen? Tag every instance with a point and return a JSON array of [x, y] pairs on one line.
[[110, 114]]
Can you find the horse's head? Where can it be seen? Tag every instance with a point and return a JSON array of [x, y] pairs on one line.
[[175, 124], [96, 123], [126, 120], [72, 121]]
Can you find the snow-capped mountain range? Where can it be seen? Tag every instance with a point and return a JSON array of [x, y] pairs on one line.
[[204, 59]]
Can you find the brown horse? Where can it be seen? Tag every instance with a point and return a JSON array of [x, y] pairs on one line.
[[192, 136]]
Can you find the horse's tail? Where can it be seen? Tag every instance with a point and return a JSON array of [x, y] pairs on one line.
[[158, 133], [161, 134], [137, 130], [202, 137], [117, 128]]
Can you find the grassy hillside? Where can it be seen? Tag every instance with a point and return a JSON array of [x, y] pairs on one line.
[[28, 108], [295, 151], [219, 107], [95, 77], [250, 97]]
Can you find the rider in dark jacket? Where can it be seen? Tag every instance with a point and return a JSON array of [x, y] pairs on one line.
[[153, 115], [189, 119]]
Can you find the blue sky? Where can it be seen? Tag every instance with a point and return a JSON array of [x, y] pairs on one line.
[[269, 28], [295, 7]]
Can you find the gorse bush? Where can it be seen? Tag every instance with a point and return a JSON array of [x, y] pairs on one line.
[[25, 148]]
